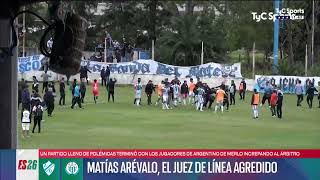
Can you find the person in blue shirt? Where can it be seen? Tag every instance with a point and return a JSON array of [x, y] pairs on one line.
[[267, 94], [77, 96]]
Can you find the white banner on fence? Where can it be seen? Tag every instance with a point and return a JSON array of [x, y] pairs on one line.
[[286, 83], [31, 64]]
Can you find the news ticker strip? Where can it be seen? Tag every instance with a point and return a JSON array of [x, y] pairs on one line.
[[162, 164], [178, 153]]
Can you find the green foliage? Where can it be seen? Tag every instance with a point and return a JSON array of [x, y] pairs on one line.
[[315, 70], [296, 69]]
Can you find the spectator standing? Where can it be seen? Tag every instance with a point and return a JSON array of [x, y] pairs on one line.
[[242, 89], [25, 99], [62, 89], [38, 113], [45, 81], [35, 84], [232, 91], [84, 73], [103, 77], [110, 88], [107, 73], [21, 85], [49, 100]]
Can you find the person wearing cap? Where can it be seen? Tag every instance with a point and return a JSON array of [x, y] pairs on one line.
[[310, 93], [148, 90]]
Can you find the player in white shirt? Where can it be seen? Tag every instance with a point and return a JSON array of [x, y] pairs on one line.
[[25, 122], [165, 96], [138, 91], [176, 93], [200, 100]]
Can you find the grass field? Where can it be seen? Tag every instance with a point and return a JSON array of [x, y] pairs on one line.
[[123, 125]]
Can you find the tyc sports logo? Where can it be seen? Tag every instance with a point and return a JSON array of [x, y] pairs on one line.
[[27, 164], [281, 14], [72, 168]]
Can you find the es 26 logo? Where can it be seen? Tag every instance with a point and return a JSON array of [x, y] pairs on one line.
[[27, 164]]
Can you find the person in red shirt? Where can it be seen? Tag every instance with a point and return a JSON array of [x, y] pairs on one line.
[[273, 103], [95, 90]]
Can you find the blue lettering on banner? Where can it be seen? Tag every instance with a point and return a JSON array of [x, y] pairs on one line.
[[33, 63], [135, 68], [168, 70]]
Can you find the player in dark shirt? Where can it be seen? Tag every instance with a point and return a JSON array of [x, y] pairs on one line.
[[310, 93], [110, 88], [62, 90]]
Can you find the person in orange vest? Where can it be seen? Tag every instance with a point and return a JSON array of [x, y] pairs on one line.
[[273, 103], [191, 93], [242, 89], [159, 91], [219, 99], [255, 100]]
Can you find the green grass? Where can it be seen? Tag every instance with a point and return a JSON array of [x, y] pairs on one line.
[[123, 125]]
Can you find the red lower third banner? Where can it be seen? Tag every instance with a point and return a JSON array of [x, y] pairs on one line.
[[192, 153]]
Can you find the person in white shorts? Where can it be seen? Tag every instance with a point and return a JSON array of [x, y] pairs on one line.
[[165, 96], [25, 122], [138, 92]]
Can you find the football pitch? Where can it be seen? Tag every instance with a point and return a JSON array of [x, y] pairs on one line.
[[124, 125]]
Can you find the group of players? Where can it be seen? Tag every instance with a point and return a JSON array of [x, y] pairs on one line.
[[199, 94], [170, 94]]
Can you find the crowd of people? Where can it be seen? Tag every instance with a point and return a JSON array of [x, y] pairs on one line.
[[170, 94]]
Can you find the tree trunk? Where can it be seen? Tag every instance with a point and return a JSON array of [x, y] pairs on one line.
[[153, 20], [248, 58], [290, 43]]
